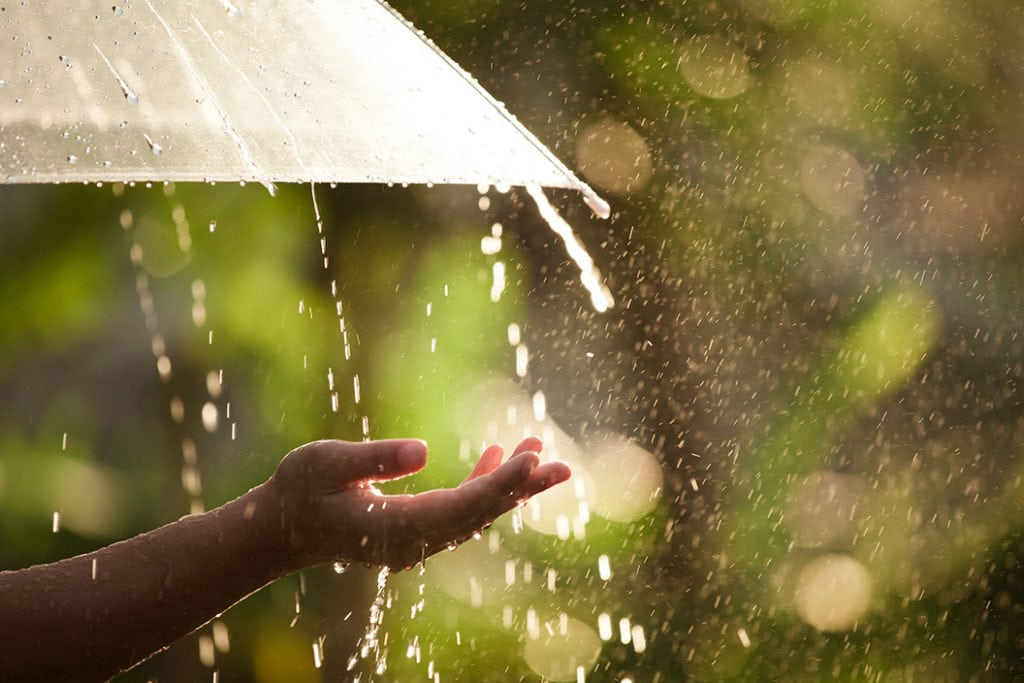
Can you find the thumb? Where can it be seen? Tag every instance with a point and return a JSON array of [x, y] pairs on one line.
[[345, 463]]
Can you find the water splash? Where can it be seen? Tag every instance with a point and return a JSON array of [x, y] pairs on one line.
[[369, 644], [590, 276]]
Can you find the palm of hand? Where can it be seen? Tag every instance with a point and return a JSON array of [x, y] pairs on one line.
[[331, 511]]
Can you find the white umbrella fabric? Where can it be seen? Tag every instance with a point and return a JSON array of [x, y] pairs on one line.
[[288, 91], [319, 91]]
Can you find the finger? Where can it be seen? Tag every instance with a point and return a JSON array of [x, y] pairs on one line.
[[442, 516], [540, 479], [531, 444], [544, 477], [435, 519], [344, 463], [489, 460], [501, 481]]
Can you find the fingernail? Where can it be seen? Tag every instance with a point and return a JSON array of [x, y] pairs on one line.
[[412, 455]]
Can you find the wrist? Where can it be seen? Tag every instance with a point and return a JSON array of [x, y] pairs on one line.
[[266, 512]]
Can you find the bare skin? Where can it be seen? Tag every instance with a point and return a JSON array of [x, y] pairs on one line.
[[89, 617]]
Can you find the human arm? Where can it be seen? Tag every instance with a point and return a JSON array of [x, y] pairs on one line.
[[89, 617]]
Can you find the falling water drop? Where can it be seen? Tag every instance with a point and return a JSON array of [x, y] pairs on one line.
[[522, 360], [604, 626], [498, 280], [317, 654], [625, 631], [744, 638], [210, 416], [600, 296]]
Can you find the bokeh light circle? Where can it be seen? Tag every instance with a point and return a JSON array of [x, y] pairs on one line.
[[561, 648], [714, 67], [833, 592], [613, 156]]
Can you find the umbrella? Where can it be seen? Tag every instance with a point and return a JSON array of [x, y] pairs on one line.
[[291, 91]]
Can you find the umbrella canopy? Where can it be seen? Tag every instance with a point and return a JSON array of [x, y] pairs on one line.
[[289, 91]]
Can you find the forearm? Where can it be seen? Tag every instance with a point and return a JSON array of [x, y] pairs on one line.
[[91, 616]]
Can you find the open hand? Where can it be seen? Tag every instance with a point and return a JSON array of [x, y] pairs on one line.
[[330, 510]]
